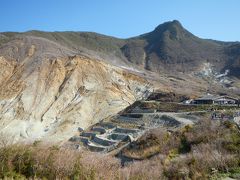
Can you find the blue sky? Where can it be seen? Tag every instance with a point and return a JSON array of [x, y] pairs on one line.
[[215, 19]]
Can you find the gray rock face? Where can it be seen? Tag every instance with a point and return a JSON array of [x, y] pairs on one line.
[[47, 93]]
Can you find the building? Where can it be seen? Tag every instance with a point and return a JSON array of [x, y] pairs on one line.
[[211, 99], [225, 100], [207, 99]]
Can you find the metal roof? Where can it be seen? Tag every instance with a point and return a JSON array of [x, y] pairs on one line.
[[212, 97]]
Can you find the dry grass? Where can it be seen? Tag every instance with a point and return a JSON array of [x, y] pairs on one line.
[[206, 150], [147, 169], [150, 144]]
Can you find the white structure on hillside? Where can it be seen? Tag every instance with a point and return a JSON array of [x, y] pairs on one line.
[[211, 99]]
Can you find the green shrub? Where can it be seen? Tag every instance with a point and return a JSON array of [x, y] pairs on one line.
[[24, 163], [185, 146]]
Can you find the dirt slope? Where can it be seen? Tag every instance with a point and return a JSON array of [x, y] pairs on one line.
[[46, 93]]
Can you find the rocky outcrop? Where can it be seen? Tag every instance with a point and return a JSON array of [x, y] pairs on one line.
[[49, 98]]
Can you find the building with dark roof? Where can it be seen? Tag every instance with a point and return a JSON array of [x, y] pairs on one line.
[[211, 99]]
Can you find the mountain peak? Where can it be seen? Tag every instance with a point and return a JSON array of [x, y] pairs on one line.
[[176, 22], [171, 29], [174, 25]]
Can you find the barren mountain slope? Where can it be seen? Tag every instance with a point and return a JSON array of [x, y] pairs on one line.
[[52, 83], [169, 48], [46, 93]]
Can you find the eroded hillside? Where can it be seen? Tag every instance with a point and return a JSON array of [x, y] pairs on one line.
[[52, 83], [48, 97]]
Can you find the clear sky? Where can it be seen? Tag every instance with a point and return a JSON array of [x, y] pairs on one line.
[[215, 19]]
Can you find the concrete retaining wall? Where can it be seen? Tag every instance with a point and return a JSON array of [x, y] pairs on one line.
[[126, 131], [103, 142], [107, 125], [89, 134], [99, 129], [128, 119], [118, 136], [144, 111], [79, 139], [95, 148]]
